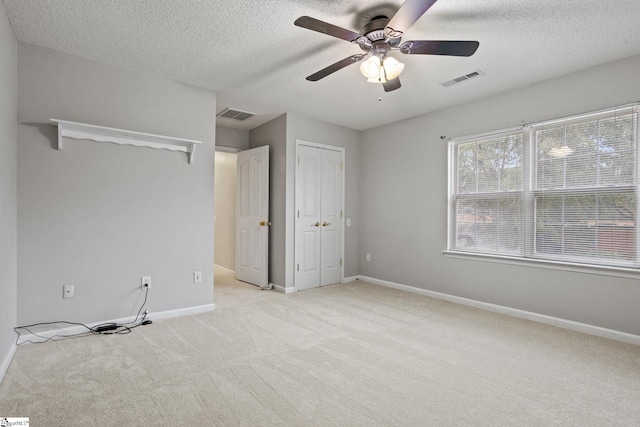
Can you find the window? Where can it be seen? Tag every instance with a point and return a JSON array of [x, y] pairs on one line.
[[563, 190]]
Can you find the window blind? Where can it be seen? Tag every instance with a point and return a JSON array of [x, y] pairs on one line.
[[488, 194], [585, 188]]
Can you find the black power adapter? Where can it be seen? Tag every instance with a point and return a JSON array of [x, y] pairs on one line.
[[104, 328]]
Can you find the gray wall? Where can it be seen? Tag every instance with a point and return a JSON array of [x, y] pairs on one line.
[[232, 138], [404, 204], [99, 215], [225, 209], [8, 175], [274, 134]]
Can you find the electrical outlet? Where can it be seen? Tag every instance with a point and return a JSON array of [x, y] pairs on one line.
[[145, 282], [68, 291], [197, 276], [368, 257]]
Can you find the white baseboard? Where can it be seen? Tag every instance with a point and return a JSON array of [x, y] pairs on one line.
[[6, 361], [181, 312], [225, 269], [283, 289], [292, 289], [541, 318], [77, 329]]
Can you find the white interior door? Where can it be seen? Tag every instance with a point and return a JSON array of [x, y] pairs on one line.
[[319, 205], [308, 217], [252, 216], [331, 225]]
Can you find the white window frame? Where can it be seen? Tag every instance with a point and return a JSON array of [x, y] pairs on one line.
[[528, 255]]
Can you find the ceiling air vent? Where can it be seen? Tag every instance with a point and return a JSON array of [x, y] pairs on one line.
[[461, 79], [231, 113]]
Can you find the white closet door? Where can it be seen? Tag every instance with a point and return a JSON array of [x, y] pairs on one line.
[[319, 206], [308, 217], [331, 218]]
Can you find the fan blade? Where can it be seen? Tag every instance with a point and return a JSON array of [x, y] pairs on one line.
[[406, 16], [390, 85], [439, 47], [334, 67], [325, 28]]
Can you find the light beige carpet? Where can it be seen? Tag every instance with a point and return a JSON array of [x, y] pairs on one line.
[[346, 355]]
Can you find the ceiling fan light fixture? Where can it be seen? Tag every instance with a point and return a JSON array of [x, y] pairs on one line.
[[381, 34], [378, 79], [392, 67], [371, 68], [380, 71]]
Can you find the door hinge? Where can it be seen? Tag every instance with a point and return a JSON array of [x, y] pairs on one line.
[[340, 214], [298, 267], [341, 166], [298, 159], [340, 262], [298, 214]]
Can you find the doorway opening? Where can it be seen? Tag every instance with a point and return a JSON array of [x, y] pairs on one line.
[[224, 217], [241, 214]]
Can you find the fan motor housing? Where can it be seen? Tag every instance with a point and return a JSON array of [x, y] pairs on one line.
[[374, 30]]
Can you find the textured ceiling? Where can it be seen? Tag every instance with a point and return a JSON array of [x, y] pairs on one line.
[[252, 55]]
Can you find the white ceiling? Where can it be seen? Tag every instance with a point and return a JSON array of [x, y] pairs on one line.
[[252, 55]]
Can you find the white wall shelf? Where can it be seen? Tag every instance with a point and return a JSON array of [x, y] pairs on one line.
[[123, 137]]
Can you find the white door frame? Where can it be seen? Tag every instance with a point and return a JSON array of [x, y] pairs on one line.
[[342, 152]]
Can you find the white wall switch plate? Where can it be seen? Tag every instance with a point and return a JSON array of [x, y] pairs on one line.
[[197, 277], [348, 222], [368, 257], [68, 291]]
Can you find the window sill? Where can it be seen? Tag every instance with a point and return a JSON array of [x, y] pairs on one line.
[[628, 273]]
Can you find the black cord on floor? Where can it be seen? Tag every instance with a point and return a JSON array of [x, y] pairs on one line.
[[101, 329]]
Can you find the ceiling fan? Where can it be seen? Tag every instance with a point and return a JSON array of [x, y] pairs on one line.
[[381, 36]]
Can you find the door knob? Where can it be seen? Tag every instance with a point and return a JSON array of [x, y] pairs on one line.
[[325, 223], [265, 223], [317, 224]]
